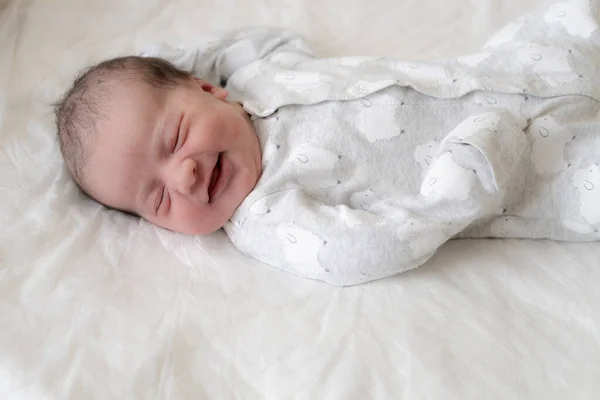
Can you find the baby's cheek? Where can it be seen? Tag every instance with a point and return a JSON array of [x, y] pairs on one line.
[[235, 130], [158, 221], [183, 217], [193, 219]]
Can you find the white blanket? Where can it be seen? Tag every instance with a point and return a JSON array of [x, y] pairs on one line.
[[96, 305]]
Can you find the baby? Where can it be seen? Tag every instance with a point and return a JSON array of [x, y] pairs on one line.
[[351, 169]]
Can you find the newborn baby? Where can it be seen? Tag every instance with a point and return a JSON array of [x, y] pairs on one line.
[[351, 169]]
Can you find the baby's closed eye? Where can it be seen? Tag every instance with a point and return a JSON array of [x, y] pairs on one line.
[[178, 138], [162, 199]]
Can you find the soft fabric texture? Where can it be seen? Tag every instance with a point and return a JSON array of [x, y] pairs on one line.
[[371, 164]]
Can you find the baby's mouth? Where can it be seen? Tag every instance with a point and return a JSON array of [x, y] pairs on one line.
[[214, 179]]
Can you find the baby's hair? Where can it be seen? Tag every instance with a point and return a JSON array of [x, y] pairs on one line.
[[82, 106]]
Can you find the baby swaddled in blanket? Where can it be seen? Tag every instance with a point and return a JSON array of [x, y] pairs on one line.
[[347, 170]]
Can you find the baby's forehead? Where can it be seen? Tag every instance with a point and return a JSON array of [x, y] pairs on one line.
[[132, 110], [133, 103], [128, 93]]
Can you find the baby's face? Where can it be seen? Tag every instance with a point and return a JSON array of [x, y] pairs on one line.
[[181, 158]]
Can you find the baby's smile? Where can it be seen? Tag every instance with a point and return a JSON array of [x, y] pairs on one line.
[[220, 177]]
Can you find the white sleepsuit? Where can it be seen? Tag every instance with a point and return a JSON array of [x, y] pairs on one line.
[[371, 164]]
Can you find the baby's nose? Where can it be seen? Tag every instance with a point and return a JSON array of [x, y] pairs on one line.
[[186, 177]]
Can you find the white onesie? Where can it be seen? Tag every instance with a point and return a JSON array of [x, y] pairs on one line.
[[371, 164]]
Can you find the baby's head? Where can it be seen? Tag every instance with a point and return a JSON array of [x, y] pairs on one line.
[[141, 136]]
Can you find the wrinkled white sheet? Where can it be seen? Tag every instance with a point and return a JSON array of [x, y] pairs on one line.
[[96, 305]]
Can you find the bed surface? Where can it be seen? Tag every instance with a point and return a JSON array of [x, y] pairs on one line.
[[97, 305]]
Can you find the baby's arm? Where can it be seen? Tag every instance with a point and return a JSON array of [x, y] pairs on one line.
[[341, 246], [215, 58]]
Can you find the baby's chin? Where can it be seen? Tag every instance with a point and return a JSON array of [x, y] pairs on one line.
[[203, 225], [195, 229]]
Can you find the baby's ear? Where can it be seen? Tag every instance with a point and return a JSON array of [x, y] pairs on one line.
[[217, 91]]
